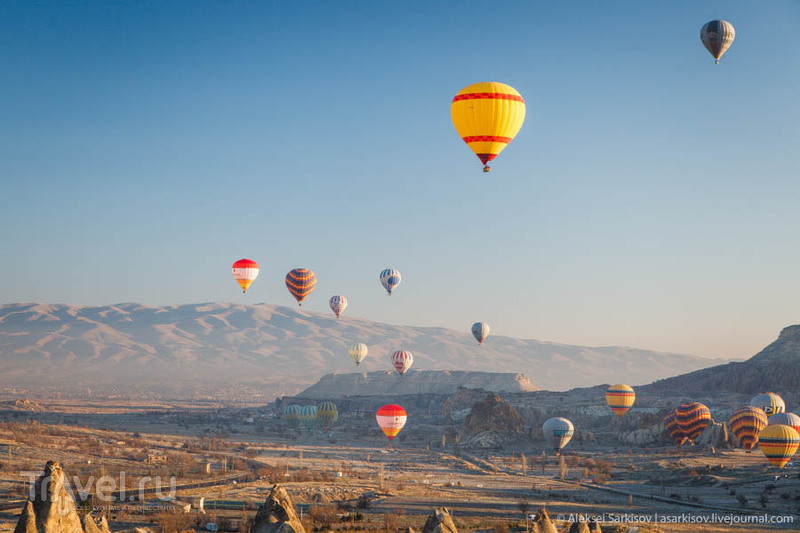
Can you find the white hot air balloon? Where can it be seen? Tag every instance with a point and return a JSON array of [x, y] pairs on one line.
[[390, 278], [402, 361], [338, 304], [558, 432], [480, 330], [358, 352], [769, 402]]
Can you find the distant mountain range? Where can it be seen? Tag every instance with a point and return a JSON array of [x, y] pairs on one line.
[[214, 349]]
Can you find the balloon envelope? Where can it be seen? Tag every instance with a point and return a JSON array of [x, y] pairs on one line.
[[717, 36], [402, 361], [291, 413], [779, 443], [558, 432], [390, 278], [746, 423], [480, 330], [300, 282], [308, 416], [245, 272], [327, 413], [487, 116], [673, 429], [620, 398], [693, 418], [358, 352], [391, 419], [338, 304], [787, 419], [769, 402]]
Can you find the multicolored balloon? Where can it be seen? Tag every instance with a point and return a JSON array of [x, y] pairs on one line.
[[717, 36], [391, 419], [300, 282], [245, 272], [480, 330], [327, 414], [308, 416], [358, 352], [390, 278], [787, 419], [769, 402], [693, 418], [746, 423], [673, 429], [620, 399], [487, 116], [402, 361], [291, 413], [338, 304], [779, 443], [558, 432]]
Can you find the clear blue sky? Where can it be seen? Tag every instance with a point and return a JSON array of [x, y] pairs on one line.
[[651, 199]]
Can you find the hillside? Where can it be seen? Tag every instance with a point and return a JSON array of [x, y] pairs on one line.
[[776, 367], [218, 349]]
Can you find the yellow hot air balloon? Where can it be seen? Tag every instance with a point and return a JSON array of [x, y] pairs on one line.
[[620, 399], [778, 443], [487, 115]]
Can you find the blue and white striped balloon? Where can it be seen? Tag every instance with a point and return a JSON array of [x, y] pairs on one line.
[[390, 278], [338, 304]]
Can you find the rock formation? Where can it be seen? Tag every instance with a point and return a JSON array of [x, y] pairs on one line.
[[582, 525], [90, 526], [715, 435], [440, 522], [52, 509], [277, 515], [493, 414], [542, 523]]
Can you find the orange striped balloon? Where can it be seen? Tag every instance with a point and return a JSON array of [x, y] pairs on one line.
[[300, 282], [746, 424], [391, 418], [693, 418], [620, 399], [673, 429], [779, 443]]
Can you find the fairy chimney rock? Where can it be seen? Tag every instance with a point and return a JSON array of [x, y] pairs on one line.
[[51, 509], [277, 515], [542, 523], [440, 522]]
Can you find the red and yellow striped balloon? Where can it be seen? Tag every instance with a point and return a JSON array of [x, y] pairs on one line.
[[620, 399], [487, 116], [391, 418], [779, 443], [300, 282], [245, 272], [693, 418], [746, 423]]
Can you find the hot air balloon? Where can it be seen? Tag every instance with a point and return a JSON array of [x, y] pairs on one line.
[[487, 116], [391, 418], [308, 416], [558, 432], [693, 418], [746, 423], [245, 272], [673, 429], [717, 37], [778, 442], [480, 330], [327, 414], [300, 283], [291, 413], [769, 402], [402, 361], [620, 399], [338, 304], [358, 352], [390, 278], [787, 419]]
